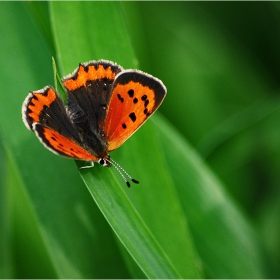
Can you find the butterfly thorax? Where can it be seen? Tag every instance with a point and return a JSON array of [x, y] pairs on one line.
[[91, 138], [88, 124], [94, 143]]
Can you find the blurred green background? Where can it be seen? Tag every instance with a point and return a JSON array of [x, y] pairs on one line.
[[220, 64]]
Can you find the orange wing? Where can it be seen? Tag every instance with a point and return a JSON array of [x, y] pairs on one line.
[[135, 97], [91, 71], [61, 145]]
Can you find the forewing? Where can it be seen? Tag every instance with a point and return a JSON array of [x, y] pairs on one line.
[[88, 91], [135, 97]]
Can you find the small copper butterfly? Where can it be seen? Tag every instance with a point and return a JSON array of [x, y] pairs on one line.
[[105, 106]]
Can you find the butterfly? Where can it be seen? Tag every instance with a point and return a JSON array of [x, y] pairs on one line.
[[105, 105]]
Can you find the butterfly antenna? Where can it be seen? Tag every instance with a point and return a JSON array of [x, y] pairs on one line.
[[121, 171]]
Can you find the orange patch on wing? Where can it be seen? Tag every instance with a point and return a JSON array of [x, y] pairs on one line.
[[132, 111], [37, 103], [66, 147], [92, 74]]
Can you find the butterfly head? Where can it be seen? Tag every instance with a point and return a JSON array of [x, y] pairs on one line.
[[105, 161]]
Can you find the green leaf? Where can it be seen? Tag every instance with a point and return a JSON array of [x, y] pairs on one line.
[[58, 85], [6, 262], [76, 237], [180, 221], [225, 240], [121, 214]]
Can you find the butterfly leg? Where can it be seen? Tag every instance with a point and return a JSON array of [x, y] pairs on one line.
[[87, 166]]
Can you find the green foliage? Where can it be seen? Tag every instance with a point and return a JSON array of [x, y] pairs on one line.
[[205, 209]]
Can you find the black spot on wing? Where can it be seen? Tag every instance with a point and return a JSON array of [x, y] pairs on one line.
[[132, 116], [144, 97], [120, 97], [131, 93]]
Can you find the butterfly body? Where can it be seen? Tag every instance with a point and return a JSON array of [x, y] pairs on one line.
[[105, 105]]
